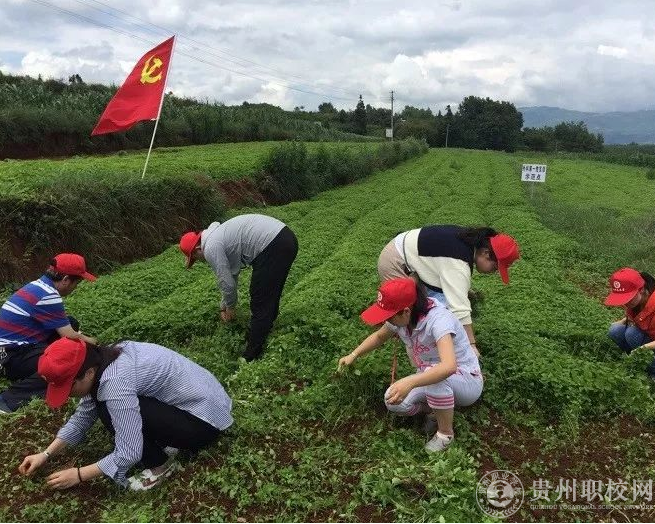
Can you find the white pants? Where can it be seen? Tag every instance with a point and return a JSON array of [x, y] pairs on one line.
[[462, 388]]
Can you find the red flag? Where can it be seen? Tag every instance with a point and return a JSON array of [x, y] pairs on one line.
[[140, 96]]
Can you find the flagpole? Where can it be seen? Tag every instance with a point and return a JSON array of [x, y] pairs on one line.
[[161, 103]]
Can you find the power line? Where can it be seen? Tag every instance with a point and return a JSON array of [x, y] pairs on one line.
[[207, 62], [218, 53], [302, 87]]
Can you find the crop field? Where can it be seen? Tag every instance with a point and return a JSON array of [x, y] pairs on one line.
[[217, 161], [560, 401]]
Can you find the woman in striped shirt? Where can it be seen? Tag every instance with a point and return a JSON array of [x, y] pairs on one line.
[[151, 398]]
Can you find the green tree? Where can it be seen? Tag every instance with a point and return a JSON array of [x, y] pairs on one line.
[[326, 107], [574, 136], [565, 136], [539, 139], [416, 113], [482, 123], [359, 118], [378, 116]]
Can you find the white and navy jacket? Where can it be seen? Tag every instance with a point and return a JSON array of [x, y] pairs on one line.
[[442, 261]]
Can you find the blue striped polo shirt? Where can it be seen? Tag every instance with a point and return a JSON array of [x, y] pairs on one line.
[[32, 314]]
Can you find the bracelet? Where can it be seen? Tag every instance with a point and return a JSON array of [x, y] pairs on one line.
[[47, 455], [79, 476]]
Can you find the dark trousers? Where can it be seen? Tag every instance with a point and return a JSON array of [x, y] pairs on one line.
[[165, 425], [21, 368], [269, 274]]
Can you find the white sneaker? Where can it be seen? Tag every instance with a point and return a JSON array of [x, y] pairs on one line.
[[147, 479], [439, 442]]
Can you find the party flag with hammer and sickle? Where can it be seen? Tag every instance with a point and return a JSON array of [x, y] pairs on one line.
[[140, 96]]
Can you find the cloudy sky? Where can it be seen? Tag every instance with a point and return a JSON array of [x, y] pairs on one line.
[[588, 56]]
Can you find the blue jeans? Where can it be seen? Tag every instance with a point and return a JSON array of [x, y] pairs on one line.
[[629, 338]]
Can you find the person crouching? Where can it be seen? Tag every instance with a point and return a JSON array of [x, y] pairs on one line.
[[635, 291], [148, 396], [447, 368]]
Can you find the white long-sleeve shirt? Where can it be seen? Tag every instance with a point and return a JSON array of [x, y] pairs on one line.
[[442, 261]]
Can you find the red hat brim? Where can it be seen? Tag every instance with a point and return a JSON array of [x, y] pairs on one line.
[[88, 276], [620, 299], [503, 269], [57, 394], [376, 315]]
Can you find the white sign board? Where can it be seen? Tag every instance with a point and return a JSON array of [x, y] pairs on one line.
[[389, 132], [533, 173]]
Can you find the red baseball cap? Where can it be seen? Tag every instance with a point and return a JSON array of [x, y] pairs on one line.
[[393, 296], [506, 251], [188, 243], [625, 284], [71, 264], [58, 365]]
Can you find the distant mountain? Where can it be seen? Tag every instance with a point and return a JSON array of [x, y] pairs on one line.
[[618, 127]]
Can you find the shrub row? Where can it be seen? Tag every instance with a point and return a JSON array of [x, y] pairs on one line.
[[110, 224], [52, 118], [291, 172], [119, 219]]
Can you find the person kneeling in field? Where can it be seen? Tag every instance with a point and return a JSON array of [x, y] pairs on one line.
[[447, 369], [263, 242], [150, 397], [635, 292], [442, 257], [30, 319]]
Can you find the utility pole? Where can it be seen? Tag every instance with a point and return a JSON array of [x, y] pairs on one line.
[[392, 133], [447, 131]]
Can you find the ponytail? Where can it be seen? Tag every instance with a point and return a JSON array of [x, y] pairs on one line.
[[420, 307]]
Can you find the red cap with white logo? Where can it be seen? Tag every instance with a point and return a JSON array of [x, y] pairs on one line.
[[393, 296], [625, 284]]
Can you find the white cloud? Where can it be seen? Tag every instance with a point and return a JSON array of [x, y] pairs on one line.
[[166, 12], [44, 63], [589, 55], [608, 50]]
